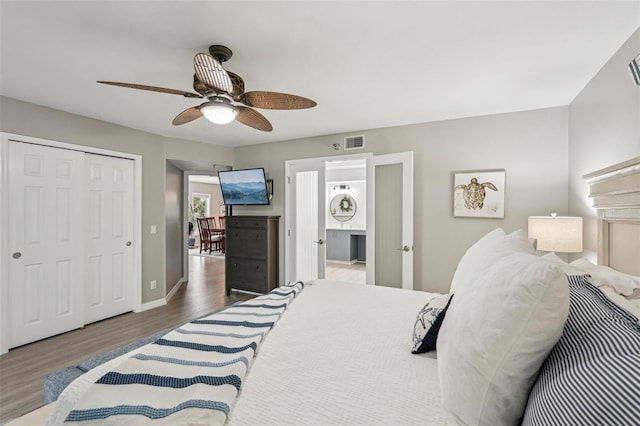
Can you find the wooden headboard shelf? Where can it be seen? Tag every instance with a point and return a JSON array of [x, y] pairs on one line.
[[615, 191]]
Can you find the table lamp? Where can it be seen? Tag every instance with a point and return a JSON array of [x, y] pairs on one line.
[[553, 233]]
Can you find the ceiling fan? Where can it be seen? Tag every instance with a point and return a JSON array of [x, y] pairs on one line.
[[224, 90]]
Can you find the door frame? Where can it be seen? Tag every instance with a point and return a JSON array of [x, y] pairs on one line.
[[368, 156], [4, 215], [195, 170]]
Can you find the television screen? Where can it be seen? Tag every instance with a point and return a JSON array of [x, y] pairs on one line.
[[244, 187]]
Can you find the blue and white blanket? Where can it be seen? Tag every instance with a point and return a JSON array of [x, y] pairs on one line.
[[192, 375]]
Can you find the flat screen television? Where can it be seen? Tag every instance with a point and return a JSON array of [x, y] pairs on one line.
[[244, 187]]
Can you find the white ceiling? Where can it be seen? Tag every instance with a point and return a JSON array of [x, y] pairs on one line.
[[368, 64]]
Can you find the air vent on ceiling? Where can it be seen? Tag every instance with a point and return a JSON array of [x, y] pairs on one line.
[[353, 142]]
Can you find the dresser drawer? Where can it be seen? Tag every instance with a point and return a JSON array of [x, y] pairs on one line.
[[240, 222], [247, 274], [250, 243], [247, 285]]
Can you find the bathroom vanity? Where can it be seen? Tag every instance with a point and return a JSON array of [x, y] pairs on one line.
[[346, 245]]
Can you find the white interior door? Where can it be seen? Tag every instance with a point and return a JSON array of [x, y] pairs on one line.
[[393, 238], [46, 241], [109, 230], [305, 220]]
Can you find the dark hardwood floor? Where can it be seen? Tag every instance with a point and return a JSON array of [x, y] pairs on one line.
[[23, 369]]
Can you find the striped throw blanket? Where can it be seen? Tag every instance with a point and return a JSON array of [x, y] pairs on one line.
[[191, 375]]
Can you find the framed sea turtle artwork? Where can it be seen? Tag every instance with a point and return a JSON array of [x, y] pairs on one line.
[[479, 194]]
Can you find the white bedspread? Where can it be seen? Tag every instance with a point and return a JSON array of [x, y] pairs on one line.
[[342, 355]]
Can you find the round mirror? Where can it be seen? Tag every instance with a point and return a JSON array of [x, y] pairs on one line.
[[342, 207]]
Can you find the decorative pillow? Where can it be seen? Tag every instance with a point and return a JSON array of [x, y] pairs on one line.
[[591, 376], [428, 322], [497, 334], [486, 251], [623, 284]]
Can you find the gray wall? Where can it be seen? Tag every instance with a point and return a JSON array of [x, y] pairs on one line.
[[531, 146], [174, 226], [604, 129], [33, 120]]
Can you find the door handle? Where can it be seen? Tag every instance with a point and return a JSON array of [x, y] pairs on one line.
[[320, 241], [405, 248], [128, 243], [16, 255]]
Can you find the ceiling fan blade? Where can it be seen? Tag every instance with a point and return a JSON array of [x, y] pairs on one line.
[[238, 84], [152, 89], [275, 100], [186, 116], [253, 118], [210, 71]]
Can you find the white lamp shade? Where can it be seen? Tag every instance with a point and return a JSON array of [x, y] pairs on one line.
[[219, 112], [556, 233]]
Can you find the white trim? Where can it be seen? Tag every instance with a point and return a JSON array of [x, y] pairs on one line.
[[153, 304], [343, 262], [4, 242], [175, 289], [368, 157], [4, 187]]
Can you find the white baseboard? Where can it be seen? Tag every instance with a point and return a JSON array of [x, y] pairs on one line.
[[175, 289], [342, 262], [162, 302], [153, 304]]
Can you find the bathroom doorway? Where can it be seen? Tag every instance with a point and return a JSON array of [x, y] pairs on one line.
[[346, 220]]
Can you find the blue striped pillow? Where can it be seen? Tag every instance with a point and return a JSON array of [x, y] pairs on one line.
[[592, 375]]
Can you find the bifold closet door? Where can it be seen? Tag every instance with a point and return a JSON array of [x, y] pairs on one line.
[[46, 241], [109, 243]]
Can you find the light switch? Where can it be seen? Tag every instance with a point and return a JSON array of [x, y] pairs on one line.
[[153, 229]]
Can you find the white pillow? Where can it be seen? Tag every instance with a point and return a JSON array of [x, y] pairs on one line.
[[624, 284], [551, 256], [566, 268], [485, 252], [496, 335]]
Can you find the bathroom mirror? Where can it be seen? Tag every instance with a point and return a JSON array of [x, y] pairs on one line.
[[343, 207]]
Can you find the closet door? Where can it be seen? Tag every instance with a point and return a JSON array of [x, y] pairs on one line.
[[46, 239], [109, 243]]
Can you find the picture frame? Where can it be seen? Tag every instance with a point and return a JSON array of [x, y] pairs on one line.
[[479, 194]]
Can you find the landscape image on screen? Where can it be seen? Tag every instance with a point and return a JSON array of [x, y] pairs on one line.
[[240, 187]]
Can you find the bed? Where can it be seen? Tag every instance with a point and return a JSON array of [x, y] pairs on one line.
[[521, 339]]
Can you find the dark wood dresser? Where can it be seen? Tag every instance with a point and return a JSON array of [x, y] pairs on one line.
[[251, 253]]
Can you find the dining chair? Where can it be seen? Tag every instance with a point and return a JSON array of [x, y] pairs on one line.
[[215, 235], [203, 229]]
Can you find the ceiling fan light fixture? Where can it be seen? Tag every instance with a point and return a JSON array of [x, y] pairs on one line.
[[219, 111]]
